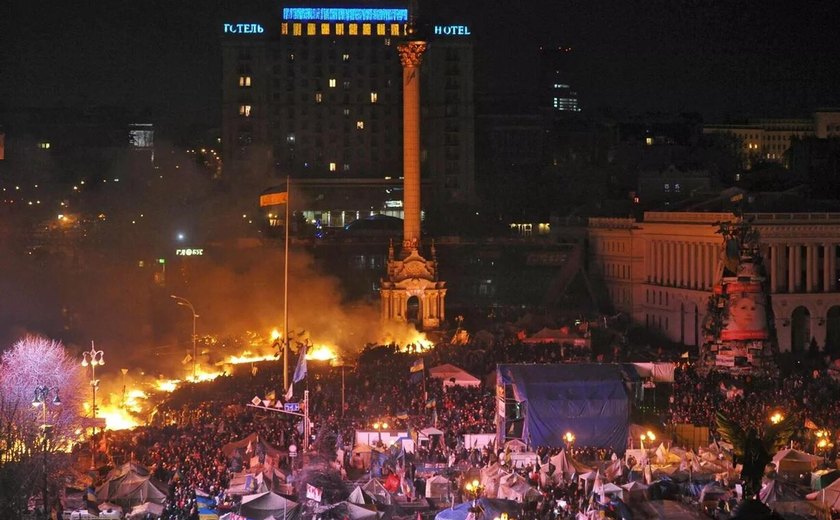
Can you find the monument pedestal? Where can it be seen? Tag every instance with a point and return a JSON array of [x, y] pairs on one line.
[[413, 279]]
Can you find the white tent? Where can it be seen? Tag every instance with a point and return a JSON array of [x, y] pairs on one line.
[[438, 487], [140, 511], [262, 505], [453, 376], [828, 496], [357, 496], [515, 487], [795, 461], [490, 479], [635, 491]]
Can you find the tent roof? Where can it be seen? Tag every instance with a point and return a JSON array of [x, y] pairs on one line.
[[829, 495], [791, 455], [447, 371], [491, 508], [431, 431], [357, 496], [635, 486], [268, 502], [253, 439]]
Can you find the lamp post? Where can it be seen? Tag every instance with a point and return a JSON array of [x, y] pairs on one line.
[[186, 303], [42, 394], [777, 417], [569, 437], [474, 490], [93, 357]]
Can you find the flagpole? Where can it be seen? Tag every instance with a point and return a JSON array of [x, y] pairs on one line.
[[286, 294]]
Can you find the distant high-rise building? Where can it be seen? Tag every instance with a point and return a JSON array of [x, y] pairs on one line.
[[555, 82], [316, 94]]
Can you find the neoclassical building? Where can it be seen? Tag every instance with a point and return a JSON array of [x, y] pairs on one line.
[[661, 271]]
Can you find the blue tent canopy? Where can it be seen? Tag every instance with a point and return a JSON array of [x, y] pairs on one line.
[[491, 508], [587, 399]]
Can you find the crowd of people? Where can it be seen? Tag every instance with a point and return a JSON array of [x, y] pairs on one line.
[[183, 447]]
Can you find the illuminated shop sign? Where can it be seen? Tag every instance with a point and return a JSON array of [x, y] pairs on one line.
[[452, 30], [343, 14], [243, 28], [189, 252]]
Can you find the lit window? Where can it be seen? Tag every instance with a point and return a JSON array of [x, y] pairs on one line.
[[346, 112], [339, 29], [325, 29], [290, 138], [332, 83], [353, 29], [380, 29], [245, 110], [667, 188], [374, 97], [297, 29], [244, 81], [319, 97], [648, 141], [366, 29], [310, 29], [360, 125], [332, 166], [284, 28], [395, 29], [345, 57], [44, 145]]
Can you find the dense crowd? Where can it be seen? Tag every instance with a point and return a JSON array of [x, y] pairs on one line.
[[184, 447]]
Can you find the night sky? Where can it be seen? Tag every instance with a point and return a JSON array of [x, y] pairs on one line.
[[720, 58]]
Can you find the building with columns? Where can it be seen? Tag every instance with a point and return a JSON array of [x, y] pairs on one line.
[[661, 270]]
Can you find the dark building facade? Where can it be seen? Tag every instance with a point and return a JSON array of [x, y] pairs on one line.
[[315, 94]]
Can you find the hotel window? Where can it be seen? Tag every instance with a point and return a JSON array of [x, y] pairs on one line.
[[284, 28], [346, 112], [244, 81], [360, 125], [353, 29], [332, 166], [332, 83], [325, 29], [374, 97], [44, 145], [319, 97], [245, 110], [345, 57], [366, 29], [297, 29], [380, 29], [395, 29], [339, 29], [310, 29]]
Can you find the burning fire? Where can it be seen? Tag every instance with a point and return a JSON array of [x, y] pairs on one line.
[[246, 357], [320, 353], [117, 418]]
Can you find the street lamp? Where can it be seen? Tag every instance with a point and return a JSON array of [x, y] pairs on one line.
[[474, 490], [42, 394], [93, 358], [777, 417], [569, 437], [186, 303]]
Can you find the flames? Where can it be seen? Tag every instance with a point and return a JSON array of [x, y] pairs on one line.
[[321, 353]]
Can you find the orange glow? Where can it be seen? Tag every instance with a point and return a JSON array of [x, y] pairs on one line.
[[117, 418], [246, 357], [275, 335], [321, 353]]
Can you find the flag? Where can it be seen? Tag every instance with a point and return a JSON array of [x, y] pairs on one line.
[[418, 366], [431, 403], [274, 199], [300, 369], [811, 425], [289, 392], [313, 493]]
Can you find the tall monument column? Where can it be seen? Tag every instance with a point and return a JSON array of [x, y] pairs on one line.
[[412, 291], [411, 55]]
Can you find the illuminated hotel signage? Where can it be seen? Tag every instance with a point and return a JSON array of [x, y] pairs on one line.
[[189, 252], [343, 14], [243, 28], [452, 30]]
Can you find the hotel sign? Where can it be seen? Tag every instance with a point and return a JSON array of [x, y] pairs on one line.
[[451, 30], [189, 252], [243, 28]]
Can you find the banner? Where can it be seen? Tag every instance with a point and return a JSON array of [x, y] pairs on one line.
[[313, 493]]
